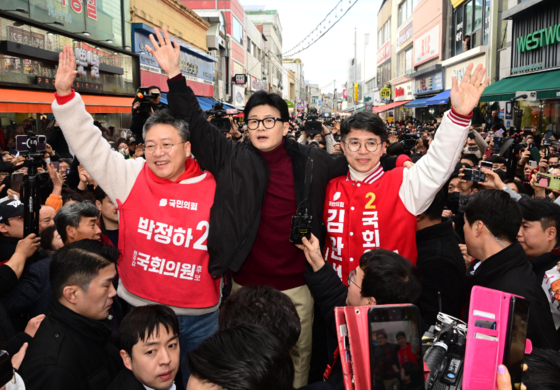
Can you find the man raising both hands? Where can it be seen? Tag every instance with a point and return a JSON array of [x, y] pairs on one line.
[[164, 205]]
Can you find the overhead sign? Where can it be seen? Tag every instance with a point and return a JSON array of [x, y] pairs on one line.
[[385, 93], [404, 91], [239, 79], [384, 53], [344, 95], [431, 83], [356, 92], [539, 38], [405, 36], [427, 46]]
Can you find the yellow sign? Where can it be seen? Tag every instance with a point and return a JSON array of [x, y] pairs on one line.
[[356, 94], [385, 93], [457, 3]]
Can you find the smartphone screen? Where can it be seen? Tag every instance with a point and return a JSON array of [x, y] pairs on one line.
[[516, 338], [17, 179], [395, 347], [486, 164]]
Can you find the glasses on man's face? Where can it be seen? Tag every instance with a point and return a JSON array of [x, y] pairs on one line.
[[268, 123], [151, 148], [355, 145], [352, 279]]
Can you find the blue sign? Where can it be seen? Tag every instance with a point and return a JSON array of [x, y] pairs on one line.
[[432, 83], [193, 62]]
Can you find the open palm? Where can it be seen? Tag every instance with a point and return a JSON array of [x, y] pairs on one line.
[[66, 72], [466, 95], [166, 52]]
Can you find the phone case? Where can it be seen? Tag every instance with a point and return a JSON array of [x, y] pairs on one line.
[[344, 349], [358, 332], [485, 347]]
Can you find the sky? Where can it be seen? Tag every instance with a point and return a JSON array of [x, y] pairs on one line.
[[327, 60]]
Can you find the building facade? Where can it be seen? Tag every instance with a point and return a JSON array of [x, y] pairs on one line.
[[254, 58], [32, 38]]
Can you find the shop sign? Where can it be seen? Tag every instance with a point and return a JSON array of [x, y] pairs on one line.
[[384, 53], [78, 6], [239, 79], [429, 83], [85, 58], [385, 93], [404, 91], [405, 36], [238, 95], [49, 81], [194, 66], [427, 46], [27, 38], [539, 38]]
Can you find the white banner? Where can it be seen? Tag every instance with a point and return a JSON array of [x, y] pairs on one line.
[[427, 46]]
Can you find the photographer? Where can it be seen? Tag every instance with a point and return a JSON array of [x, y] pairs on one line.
[[142, 108]]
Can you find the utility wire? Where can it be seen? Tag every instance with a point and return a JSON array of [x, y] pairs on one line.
[[314, 40]]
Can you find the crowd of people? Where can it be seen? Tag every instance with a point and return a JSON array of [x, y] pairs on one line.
[[168, 259]]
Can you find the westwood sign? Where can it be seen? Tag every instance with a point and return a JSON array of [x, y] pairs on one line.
[[539, 38]]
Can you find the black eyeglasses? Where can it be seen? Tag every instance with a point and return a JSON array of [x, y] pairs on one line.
[[268, 123]]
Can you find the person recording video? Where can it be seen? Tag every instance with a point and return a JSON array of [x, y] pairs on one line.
[[145, 103]]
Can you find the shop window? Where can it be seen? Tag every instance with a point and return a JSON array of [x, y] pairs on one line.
[[472, 25], [237, 30], [383, 73], [404, 62]]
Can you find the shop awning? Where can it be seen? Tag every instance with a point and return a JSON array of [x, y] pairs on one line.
[[547, 85], [386, 107], [442, 98], [15, 100], [417, 103]]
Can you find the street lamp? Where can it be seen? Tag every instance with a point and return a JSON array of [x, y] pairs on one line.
[[86, 33]]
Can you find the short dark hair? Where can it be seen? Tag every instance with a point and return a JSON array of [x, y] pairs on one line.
[[395, 149], [47, 236], [543, 370], [518, 184], [497, 210], [542, 210], [246, 357], [143, 322], [364, 121], [264, 306], [496, 160], [471, 157], [99, 194], [435, 210], [165, 117], [154, 87], [79, 263], [389, 278], [400, 334], [68, 196], [71, 215], [263, 98]]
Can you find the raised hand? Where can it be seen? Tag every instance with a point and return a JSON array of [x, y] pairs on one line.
[[466, 95], [167, 54], [66, 72]]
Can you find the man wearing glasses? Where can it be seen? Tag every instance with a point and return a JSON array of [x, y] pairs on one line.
[[370, 208], [164, 203]]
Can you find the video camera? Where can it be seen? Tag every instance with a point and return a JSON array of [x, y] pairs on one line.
[[33, 146], [143, 94], [409, 140], [220, 120], [312, 124]]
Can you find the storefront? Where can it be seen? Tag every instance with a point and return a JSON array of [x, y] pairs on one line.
[[403, 92], [29, 48], [196, 65], [535, 67], [428, 82]]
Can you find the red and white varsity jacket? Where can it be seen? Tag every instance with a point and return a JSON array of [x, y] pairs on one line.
[[381, 210]]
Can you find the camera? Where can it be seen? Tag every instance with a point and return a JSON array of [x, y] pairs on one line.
[[144, 97], [23, 143], [220, 120], [409, 140], [312, 124], [301, 227], [474, 175], [328, 119]]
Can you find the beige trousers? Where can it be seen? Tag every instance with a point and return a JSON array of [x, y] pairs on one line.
[[301, 353]]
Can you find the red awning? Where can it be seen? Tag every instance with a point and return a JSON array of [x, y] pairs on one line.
[[386, 107], [16, 100]]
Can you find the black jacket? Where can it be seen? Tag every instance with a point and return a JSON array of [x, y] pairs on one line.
[[242, 178], [442, 268], [139, 118], [58, 142], [7, 247], [70, 351], [510, 271], [545, 262], [126, 381]]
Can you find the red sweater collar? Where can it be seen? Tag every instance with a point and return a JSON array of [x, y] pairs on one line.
[[192, 169]]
